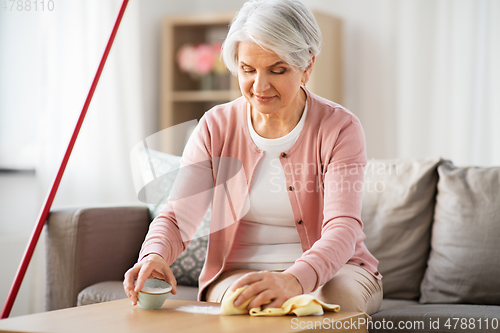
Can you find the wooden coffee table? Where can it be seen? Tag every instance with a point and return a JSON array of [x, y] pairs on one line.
[[175, 316]]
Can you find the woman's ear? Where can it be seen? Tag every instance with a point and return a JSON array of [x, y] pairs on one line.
[[307, 72]]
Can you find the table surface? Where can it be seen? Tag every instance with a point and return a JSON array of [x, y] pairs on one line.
[[176, 316]]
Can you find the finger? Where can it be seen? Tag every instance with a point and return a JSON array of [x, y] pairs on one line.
[[246, 280], [276, 303], [170, 278], [128, 283], [133, 297], [129, 294], [263, 298], [251, 291], [143, 275]]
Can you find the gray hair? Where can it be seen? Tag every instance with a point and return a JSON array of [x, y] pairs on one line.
[[285, 27]]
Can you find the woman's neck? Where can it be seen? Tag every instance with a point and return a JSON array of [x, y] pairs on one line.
[[279, 123]]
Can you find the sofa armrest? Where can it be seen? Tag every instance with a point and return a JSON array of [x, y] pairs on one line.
[[90, 245]]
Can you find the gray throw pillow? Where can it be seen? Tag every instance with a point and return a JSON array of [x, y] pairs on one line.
[[398, 206], [463, 263], [188, 265]]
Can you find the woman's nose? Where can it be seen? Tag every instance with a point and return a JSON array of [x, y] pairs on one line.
[[261, 82]]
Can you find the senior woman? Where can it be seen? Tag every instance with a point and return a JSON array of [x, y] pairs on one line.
[[300, 230]]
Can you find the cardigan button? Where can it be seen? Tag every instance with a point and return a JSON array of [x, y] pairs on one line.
[[290, 188], [377, 273], [283, 154], [362, 264], [299, 222]]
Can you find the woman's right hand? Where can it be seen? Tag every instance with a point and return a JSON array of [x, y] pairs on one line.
[[151, 266]]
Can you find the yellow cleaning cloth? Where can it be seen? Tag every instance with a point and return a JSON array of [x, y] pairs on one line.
[[302, 305]]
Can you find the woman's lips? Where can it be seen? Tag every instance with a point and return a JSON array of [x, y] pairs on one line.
[[264, 99]]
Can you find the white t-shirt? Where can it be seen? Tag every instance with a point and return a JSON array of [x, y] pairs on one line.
[[266, 238]]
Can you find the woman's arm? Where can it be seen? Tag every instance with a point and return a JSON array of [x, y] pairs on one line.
[[341, 226], [189, 199], [170, 232]]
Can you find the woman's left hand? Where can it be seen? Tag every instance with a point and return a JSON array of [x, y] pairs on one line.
[[273, 288]]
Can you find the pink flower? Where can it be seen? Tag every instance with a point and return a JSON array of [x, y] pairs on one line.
[[201, 59], [205, 59], [186, 58], [217, 47]]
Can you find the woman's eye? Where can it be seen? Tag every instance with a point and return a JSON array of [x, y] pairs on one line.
[[279, 71], [247, 70]]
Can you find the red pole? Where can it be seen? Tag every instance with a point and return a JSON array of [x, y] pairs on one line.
[[55, 185]]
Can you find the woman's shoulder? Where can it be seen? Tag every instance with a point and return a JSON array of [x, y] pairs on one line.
[[331, 121], [222, 121], [324, 110], [336, 127], [227, 110], [226, 114]]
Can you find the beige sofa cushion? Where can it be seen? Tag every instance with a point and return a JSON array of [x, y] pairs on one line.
[[463, 263], [398, 206]]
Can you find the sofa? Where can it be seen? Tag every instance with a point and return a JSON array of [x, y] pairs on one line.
[[434, 227]]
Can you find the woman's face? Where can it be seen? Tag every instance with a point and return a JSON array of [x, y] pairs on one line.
[[267, 82]]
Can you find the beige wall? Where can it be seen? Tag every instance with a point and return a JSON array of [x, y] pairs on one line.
[[367, 69]]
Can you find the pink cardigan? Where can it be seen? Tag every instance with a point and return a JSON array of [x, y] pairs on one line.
[[324, 171]]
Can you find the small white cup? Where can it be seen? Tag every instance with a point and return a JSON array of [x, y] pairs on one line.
[[153, 294]]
